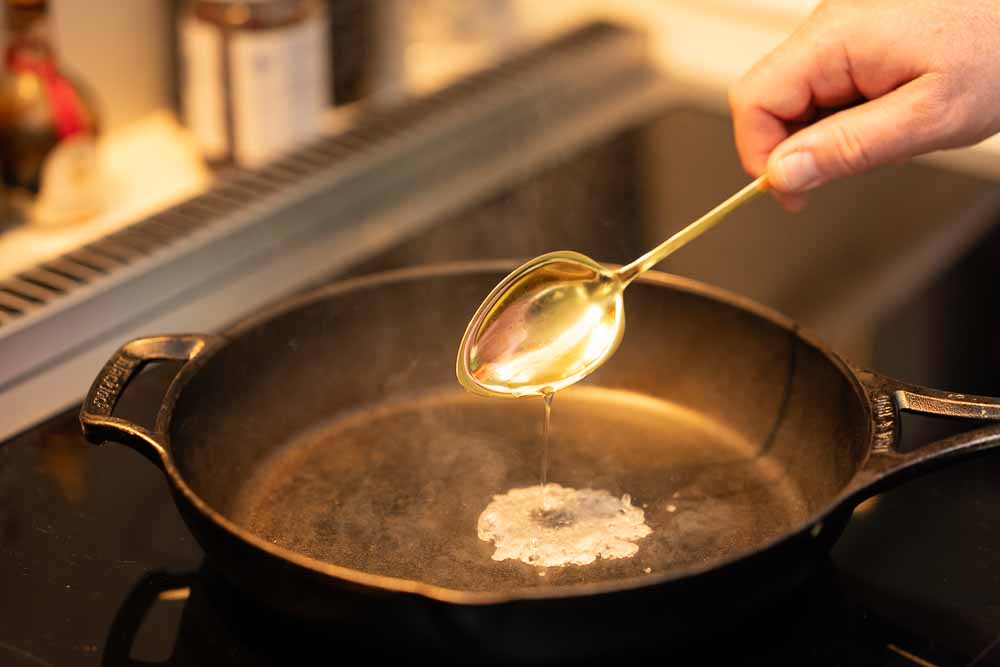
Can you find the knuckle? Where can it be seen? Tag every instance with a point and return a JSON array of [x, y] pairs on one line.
[[938, 114], [850, 150], [745, 94], [737, 98]]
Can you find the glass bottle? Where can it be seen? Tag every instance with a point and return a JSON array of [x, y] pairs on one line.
[[48, 126]]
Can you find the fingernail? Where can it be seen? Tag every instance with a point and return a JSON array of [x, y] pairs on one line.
[[796, 172]]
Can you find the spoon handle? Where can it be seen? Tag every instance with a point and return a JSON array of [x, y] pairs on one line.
[[630, 271]]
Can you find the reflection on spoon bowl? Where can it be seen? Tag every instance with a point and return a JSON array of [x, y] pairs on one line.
[[549, 324]]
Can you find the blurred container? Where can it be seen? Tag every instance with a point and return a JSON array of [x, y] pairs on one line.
[[353, 56], [424, 45], [48, 127], [255, 76]]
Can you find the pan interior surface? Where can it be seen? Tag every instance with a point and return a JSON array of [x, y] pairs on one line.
[[397, 489]]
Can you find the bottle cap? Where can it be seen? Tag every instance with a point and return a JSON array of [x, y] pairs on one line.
[[21, 14]]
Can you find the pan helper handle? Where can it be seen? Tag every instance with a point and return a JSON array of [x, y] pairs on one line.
[[96, 416], [926, 401], [889, 397]]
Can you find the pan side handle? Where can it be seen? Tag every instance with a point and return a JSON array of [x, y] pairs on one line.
[[887, 465], [96, 416]]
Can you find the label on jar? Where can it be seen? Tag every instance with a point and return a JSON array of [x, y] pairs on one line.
[[255, 94], [280, 88], [204, 87]]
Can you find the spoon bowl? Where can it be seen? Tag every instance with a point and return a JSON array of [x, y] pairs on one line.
[[547, 325], [555, 319]]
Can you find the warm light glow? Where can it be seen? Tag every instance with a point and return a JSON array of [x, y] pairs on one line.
[[27, 87], [560, 356], [149, 165], [601, 339]]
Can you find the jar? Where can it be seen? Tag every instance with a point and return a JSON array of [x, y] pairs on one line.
[[255, 76]]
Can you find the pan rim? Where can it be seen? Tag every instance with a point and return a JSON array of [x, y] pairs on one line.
[[482, 598]]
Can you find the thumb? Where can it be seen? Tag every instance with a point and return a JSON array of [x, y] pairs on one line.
[[908, 121]]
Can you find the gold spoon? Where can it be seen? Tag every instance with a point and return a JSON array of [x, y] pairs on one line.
[[557, 318]]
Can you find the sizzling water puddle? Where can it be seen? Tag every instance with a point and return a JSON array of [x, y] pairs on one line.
[[577, 527], [551, 526]]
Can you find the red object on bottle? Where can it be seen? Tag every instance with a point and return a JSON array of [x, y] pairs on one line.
[[68, 111]]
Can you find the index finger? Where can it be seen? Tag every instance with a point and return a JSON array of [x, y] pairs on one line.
[[776, 91]]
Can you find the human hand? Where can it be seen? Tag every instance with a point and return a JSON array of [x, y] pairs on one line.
[[880, 81]]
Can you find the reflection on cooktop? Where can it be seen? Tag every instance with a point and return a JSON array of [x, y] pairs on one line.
[[198, 619]]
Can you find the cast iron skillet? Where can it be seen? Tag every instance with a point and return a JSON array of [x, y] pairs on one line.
[[330, 466]]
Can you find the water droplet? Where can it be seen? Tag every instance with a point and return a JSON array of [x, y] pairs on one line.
[[671, 508]]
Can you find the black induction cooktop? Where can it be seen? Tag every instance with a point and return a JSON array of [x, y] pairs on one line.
[[96, 567]]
